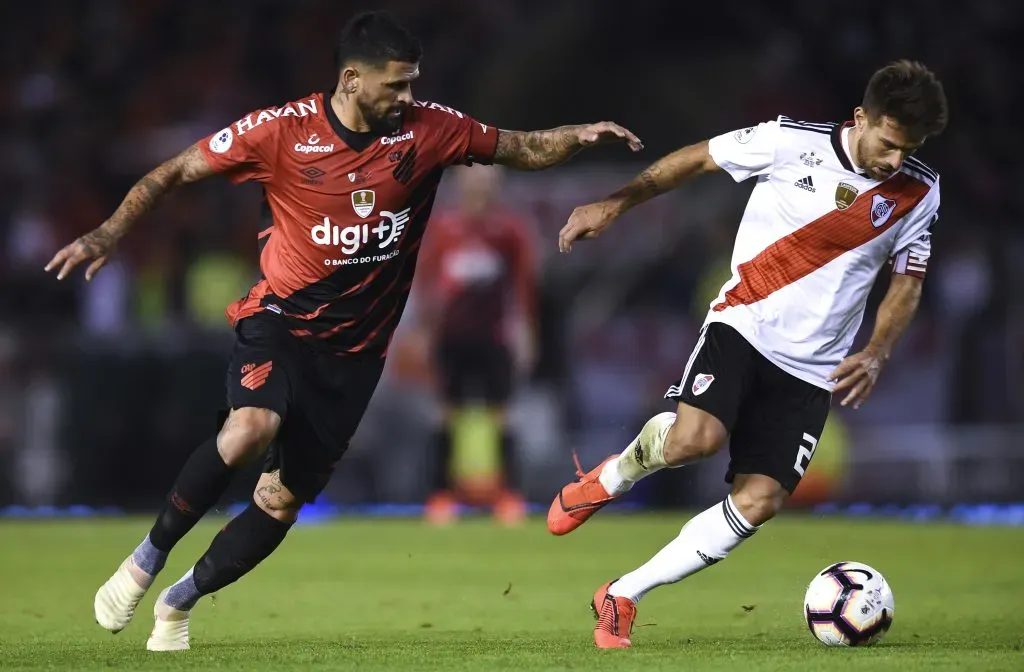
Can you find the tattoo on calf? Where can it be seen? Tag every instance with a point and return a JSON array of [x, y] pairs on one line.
[[266, 493]]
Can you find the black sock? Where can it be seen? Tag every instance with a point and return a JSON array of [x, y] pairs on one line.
[[243, 543], [509, 459], [440, 466], [202, 481]]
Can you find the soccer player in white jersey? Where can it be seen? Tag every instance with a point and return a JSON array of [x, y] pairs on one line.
[[833, 205]]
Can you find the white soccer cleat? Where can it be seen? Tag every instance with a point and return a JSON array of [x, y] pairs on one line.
[[116, 599], [170, 628]]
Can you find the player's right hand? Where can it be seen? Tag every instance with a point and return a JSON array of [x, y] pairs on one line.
[[586, 221], [97, 245]]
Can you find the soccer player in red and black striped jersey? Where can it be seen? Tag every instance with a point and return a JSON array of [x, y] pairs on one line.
[[348, 177], [477, 299]]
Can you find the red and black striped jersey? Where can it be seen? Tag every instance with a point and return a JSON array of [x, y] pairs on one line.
[[346, 211], [479, 272]]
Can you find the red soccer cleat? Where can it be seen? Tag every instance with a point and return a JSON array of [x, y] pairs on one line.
[[441, 509], [510, 509], [615, 616], [578, 501]]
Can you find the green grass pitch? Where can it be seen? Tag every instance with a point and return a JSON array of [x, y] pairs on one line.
[[397, 595]]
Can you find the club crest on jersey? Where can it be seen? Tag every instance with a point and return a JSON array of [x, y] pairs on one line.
[[846, 194], [362, 202], [701, 383], [881, 209]]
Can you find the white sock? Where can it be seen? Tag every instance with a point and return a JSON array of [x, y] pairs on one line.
[[702, 542], [644, 456]]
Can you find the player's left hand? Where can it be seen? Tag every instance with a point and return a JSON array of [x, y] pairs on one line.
[[608, 131], [857, 373], [97, 245]]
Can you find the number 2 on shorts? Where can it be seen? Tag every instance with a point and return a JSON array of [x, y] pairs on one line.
[[804, 455]]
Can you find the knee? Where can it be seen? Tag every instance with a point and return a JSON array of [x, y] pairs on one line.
[[758, 498], [276, 500], [246, 435], [690, 439]]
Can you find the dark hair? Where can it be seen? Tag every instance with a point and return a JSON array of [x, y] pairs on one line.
[[375, 38], [911, 95]]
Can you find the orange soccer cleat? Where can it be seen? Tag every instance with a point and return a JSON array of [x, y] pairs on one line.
[[615, 616], [510, 509], [441, 509], [578, 501]]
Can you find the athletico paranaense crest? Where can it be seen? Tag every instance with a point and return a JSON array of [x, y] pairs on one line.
[[846, 194]]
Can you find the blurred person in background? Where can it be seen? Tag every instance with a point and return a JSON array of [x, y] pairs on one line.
[[478, 299]]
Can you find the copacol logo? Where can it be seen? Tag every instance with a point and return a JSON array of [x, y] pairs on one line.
[[351, 238], [397, 138], [313, 146]]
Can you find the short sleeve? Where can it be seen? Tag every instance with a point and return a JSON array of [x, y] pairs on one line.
[[913, 246], [460, 139], [747, 152], [241, 151]]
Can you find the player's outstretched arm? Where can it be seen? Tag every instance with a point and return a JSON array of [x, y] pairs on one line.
[[189, 166], [535, 150], [665, 174], [858, 373]]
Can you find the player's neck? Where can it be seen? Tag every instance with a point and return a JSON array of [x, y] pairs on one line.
[[852, 142], [348, 113]]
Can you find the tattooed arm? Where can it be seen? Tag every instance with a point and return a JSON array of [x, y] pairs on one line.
[[663, 175], [189, 166], [535, 150]]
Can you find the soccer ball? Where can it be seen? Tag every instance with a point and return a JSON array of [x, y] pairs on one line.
[[848, 604]]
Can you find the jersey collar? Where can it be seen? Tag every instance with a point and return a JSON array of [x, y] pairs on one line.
[[839, 146], [354, 139]]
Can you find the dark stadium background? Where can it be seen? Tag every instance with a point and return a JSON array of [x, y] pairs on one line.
[[105, 389]]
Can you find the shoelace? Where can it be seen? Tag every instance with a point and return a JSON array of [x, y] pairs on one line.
[[579, 467]]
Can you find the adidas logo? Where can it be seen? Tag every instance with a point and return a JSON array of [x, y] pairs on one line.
[[708, 560], [806, 183]]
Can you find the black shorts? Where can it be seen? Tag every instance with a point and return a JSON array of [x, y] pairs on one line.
[[321, 397], [475, 371], [774, 419]]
